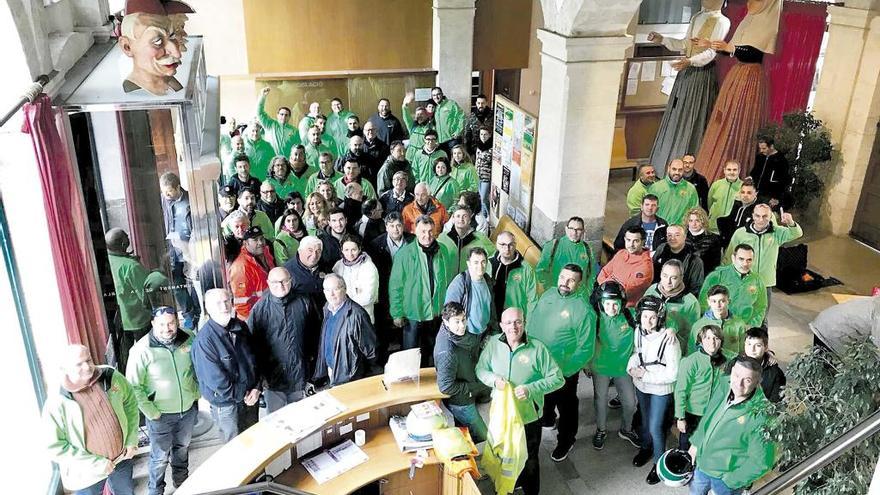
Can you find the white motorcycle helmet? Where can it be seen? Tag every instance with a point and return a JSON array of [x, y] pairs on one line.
[[675, 467]]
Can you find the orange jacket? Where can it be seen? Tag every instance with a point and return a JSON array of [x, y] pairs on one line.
[[633, 272], [412, 212], [247, 280]]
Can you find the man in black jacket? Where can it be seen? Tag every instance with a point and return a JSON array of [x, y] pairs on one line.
[[377, 149], [772, 377], [281, 340], [388, 127], [331, 239], [655, 227], [455, 357], [382, 250], [771, 174], [348, 340], [698, 180], [740, 213], [676, 248], [357, 153], [269, 202]]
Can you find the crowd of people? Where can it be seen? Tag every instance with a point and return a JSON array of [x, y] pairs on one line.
[[343, 244]]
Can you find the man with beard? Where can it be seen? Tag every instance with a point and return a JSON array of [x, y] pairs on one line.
[[647, 176], [279, 132], [631, 267], [388, 127], [396, 162], [269, 202], [315, 147], [225, 364], [242, 179], [247, 204], [771, 174], [375, 148], [301, 173], [677, 248], [357, 153], [462, 238], [675, 196], [515, 285], [568, 249], [647, 219], [448, 120], [236, 149], [697, 179], [481, 116], [331, 239], [682, 308], [424, 205], [740, 213], [352, 174]]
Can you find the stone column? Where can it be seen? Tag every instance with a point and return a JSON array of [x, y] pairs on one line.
[[580, 85], [848, 102], [452, 48]]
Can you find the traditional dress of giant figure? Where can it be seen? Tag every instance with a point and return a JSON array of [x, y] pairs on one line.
[[695, 90], [741, 106]]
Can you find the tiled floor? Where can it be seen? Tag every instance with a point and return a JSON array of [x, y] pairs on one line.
[[610, 471]]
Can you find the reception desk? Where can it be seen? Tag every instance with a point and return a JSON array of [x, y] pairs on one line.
[[368, 407]]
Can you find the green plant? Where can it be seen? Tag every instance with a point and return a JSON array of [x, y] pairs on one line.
[[826, 395], [806, 143]]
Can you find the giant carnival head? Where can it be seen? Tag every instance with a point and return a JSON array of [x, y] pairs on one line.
[[153, 36]]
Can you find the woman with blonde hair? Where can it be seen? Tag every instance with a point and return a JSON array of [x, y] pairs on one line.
[[706, 244], [315, 205], [463, 171]]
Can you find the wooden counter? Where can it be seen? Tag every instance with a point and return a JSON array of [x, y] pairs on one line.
[[247, 455]]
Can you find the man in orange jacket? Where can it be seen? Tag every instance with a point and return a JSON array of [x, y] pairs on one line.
[[631, 267], [424, 204], [248, 273]]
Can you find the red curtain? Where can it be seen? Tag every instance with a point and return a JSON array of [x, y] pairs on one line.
[[791, 70], [68, 229]]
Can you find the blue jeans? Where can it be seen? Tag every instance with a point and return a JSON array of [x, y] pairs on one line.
[[702, 482], [485, 189], [469, 416], [120, 481], [653, 432], [169, 440], [234, 419]]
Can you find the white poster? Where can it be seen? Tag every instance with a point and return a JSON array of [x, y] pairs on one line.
[[649, 70]]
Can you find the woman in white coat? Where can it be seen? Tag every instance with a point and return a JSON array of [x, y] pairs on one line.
[[360, 274]]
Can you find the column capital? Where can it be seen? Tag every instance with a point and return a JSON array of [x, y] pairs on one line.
[[583, 49], [589, 17], [453, 4], [851, 17]]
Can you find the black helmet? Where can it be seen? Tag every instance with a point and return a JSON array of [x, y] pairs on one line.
[[611, 290], [655, 304]]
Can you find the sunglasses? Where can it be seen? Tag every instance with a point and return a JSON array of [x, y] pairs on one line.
[[164, 310]]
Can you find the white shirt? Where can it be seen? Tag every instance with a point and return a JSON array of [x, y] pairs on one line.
[[722, 26]]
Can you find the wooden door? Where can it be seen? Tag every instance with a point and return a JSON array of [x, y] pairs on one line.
[[866, 224]]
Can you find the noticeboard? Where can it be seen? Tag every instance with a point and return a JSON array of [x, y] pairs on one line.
[[513, 162]]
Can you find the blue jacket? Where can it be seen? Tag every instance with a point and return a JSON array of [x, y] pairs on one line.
[[225, 371]]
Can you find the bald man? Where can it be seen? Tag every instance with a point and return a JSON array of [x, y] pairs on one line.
[[91, 425], [278, 324], [675, 196]]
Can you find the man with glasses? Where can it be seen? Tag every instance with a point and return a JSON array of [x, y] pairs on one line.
[[375, 148], [698, 180], [247, 274], [269, 202], [160, 371], [280, 340], [326, 172], [423, 160], [570, 248], [514, 278]]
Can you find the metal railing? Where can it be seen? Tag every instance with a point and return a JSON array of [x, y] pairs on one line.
[[824, 456]]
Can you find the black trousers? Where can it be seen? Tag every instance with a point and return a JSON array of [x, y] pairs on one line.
[[530, 477], [564, 400], [127, 338], [692, 421]]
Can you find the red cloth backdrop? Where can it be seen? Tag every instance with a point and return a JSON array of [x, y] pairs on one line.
[[791, 70], [68, 229]]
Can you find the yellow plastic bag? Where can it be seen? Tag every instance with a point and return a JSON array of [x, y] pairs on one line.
[[454, 447], [505, 453]]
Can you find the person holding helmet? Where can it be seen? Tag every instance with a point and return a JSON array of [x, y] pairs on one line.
[[614, 345], [675, 468], [729, 448], [653, 367], [698, 376]]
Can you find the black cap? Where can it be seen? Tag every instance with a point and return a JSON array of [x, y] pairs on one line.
[[253, 232], [227, 192]]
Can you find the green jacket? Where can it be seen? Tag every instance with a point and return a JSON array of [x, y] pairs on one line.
[[614, 344], [722, 194], [312, 184], [559, 252], [64, 431], [697, 380], [369, 192], [423, 164], [416, 131], [337, 126], [163, 378], [634, 197], [733, 329], [748, 299], [293, 182], [409, 289], [466, 175], [682, 312], [567, 326], [261, 220], [313, 154], [674, 200], [281, 137], [303, 127], [445, 189], [449, 119], [529, 365], [766, 245], [284, 248], [729, 440], [129, 277], [261, 154], [460, 247], [521, 290]]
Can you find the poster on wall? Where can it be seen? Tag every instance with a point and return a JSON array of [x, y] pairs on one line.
[[513, 162]]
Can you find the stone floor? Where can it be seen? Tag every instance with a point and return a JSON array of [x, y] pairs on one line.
[[610, 471]]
